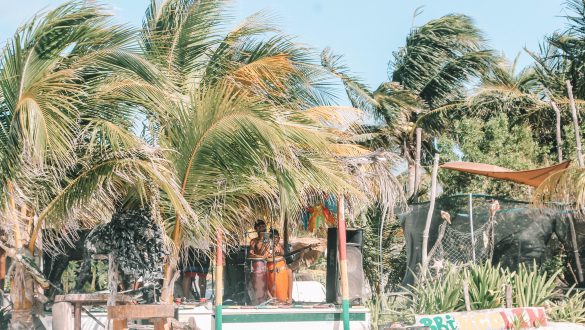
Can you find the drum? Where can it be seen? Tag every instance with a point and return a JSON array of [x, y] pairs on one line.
[[281, 279], [257, 283]]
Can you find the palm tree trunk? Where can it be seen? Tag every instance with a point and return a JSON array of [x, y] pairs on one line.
[[575, 123], [417, 168], [411, 179], [425, 241], [170, 274], [558, 130], [21, 286]]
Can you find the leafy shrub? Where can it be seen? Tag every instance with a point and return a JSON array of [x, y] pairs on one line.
[[69, 276]]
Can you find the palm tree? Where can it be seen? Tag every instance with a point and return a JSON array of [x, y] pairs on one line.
[[69, 89], [428, 77], [248, 120]]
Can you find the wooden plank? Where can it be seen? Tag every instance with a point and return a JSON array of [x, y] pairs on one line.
[[90, 299], [140, 312]]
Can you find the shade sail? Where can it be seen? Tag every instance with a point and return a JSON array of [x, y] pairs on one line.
[[530, 177]]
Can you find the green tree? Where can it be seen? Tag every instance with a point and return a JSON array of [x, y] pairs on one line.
[[494, 142], [428, 78], [69, 85], [249, 123]]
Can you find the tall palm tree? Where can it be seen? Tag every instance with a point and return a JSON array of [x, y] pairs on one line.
[[248, 120], [427, 78]]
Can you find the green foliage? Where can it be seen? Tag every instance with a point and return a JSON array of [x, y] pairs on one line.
[[99, 280], [69, 276], [443, 292], [99, 270], [99, 277], [494, 142], [486, 285], [571, 308], [556, 263], [438, 294], [393, 253], [531, 287]]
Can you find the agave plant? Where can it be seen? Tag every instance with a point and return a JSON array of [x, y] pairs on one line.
[[440, 294], [532, 287], [571, 308], [486, 285]]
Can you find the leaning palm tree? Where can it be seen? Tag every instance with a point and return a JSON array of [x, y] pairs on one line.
[[428, 77], [70, 84]]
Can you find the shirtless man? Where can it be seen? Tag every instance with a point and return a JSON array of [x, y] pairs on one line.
[[259, 246]]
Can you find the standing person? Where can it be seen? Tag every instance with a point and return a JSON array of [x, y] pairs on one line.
[[258, 252], [279, 267], [196, 266]]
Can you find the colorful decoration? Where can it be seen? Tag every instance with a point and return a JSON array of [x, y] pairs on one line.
[[318, 216]]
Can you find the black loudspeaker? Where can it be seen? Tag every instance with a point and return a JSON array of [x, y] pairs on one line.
[[355, 270], [234, 279]]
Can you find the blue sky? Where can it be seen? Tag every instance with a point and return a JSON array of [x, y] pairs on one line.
[[365, 32]]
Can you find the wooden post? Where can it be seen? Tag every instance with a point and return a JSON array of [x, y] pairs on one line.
[[575, 123], [77, 311], [62, 316], [219, 282], [471, 230], [508, 296], [575, 249], [580, 162], [425, 242], [466, 296], [417, 167], [558, 130], [113, 286], [341, 237], [2, 268]]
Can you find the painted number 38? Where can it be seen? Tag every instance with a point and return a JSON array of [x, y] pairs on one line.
[[438, 323]]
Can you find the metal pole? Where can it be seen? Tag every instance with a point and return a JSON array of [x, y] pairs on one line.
[[471, 226], [219, 282], [341, 237]]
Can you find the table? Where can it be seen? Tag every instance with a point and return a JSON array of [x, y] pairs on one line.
[[83, 299]]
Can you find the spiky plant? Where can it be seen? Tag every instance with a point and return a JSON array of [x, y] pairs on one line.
[[533, 288], [486, 285]]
